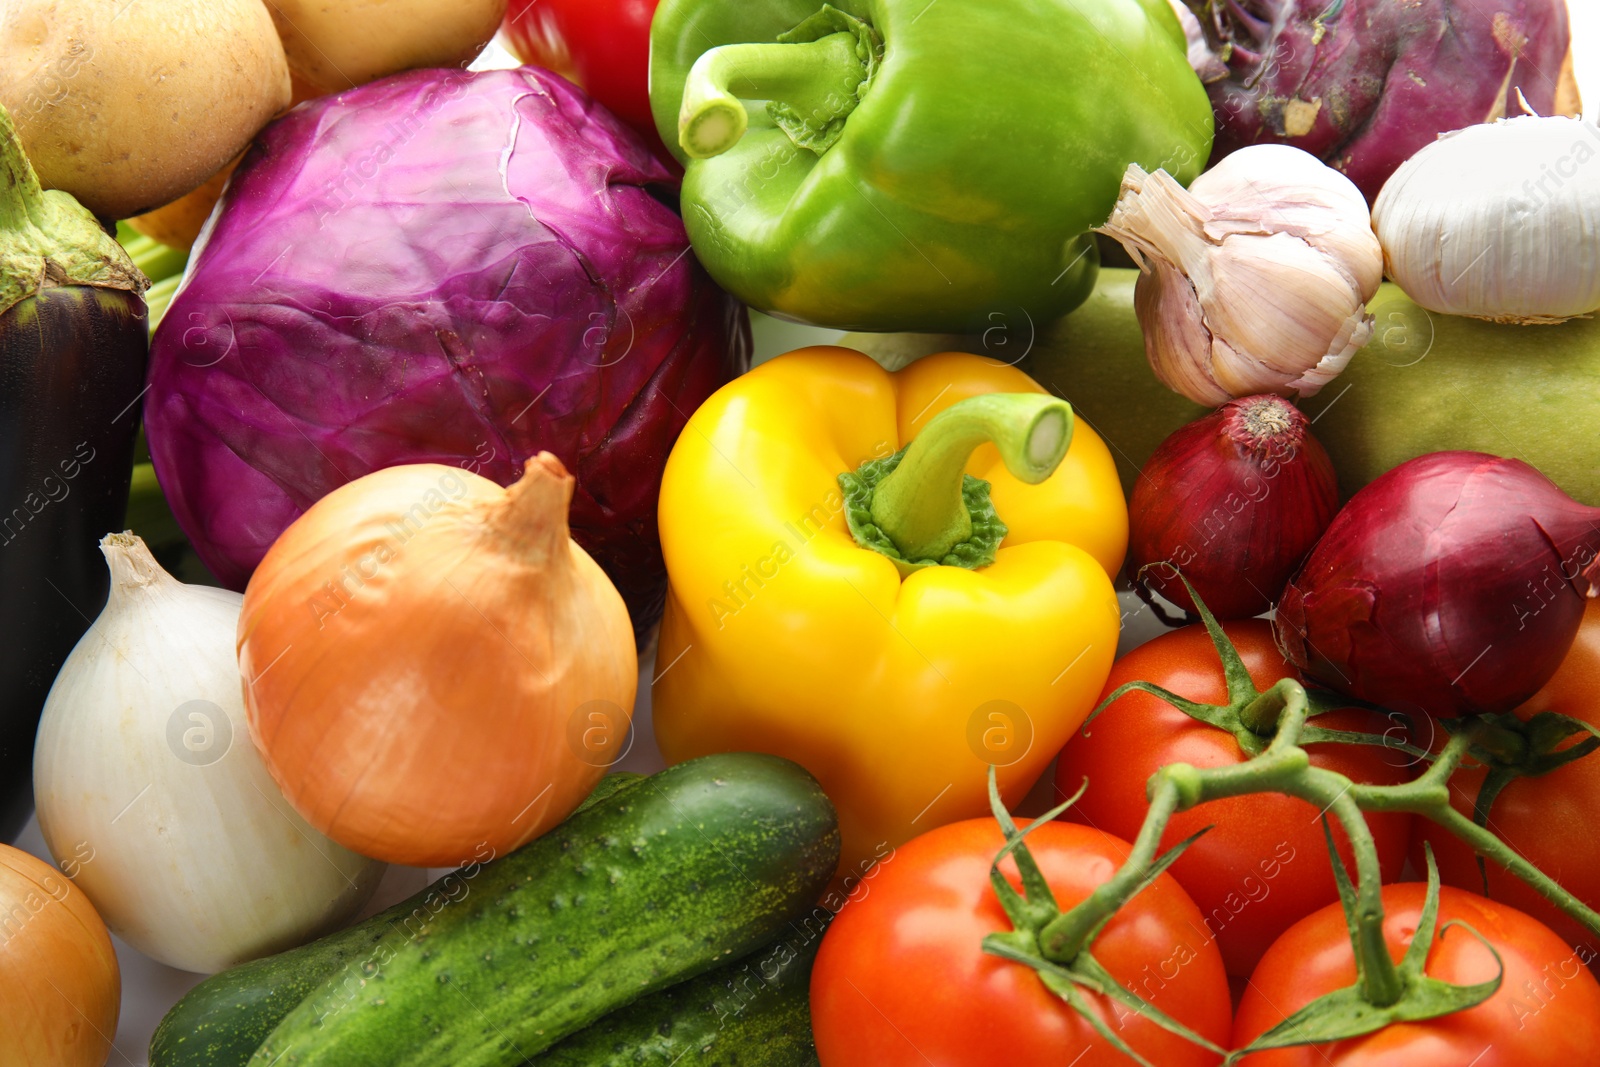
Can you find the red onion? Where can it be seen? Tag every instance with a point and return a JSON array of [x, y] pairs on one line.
[[1453, 584], [1234, 501]]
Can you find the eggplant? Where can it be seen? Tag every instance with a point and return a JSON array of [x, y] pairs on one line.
[[73, 348]]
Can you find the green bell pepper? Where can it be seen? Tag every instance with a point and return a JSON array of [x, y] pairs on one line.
[[925, 165]]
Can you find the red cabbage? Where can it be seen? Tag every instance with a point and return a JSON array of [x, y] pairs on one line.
[[440, 267]]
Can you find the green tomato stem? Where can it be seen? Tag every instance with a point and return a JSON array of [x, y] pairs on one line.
[[1497, 851], [1283, 766], [1429, 796], [816, 78], [920, 507], [1261, 714], [1070, 932]]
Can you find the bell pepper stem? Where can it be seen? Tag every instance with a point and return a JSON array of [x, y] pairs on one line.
[[817, 78], [919, 505]]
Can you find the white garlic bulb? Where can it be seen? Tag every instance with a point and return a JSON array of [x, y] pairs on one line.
[[1256, 278], [1498, 221], [154, 801]]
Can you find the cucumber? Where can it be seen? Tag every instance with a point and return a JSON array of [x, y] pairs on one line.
[[1426, 383], [223, 1020], [755, 1012], [690, 868]]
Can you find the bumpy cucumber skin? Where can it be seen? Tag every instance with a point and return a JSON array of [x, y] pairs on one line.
[[755, 1012], [692, 867], [223, 1020]]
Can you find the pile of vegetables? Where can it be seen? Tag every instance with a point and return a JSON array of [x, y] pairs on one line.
[[376, 427]]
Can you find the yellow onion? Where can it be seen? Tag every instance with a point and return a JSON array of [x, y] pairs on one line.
[[60, 989], [432, 666]]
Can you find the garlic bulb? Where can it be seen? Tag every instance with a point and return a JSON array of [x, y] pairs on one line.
[[1255, 279], [1499, 221], [152, 798]]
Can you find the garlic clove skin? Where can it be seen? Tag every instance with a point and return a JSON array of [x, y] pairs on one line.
[[152, 799], [1268, 337], [1256, 278], [1498, 221], [1174, 327], [1300, 196]]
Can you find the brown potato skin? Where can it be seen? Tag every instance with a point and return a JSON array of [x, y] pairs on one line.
[[130, 106], [178, 223], [335, 45]]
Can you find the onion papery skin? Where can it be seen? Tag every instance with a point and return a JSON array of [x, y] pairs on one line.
[[1453, 584], [60, 988], [416, 649], [149, 792], [1232, 502]]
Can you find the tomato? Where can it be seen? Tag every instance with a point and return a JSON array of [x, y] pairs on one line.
[[1264, 864], [902, 978], [1546, 1012], [602, 45], [1551, 819]]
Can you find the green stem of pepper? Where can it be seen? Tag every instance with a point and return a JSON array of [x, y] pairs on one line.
[[815, 78], [920, 507]]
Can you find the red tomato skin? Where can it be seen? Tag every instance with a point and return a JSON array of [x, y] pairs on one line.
[[1263, 865], [601, 45], [902, 979], [1549, 819], [1545, 1014]]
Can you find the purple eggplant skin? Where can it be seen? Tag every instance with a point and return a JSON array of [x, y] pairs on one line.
[[439, 267], [1364, 84], [72, 367]]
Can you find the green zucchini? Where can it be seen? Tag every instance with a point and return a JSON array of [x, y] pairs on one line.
[[694, 866], [1425, 383], [223, 1020], [755, 1012]]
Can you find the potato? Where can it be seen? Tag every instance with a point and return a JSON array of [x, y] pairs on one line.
[[338, 44], [130, 104], [178, 223]]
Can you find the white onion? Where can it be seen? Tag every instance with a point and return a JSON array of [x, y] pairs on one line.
[[152, 797]]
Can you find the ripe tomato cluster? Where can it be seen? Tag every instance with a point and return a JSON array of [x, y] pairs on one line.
[[904, 976]]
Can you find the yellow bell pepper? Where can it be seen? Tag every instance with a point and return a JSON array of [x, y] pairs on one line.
[[895, 682]]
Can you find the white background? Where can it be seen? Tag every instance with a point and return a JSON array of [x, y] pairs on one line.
[[149, 988]]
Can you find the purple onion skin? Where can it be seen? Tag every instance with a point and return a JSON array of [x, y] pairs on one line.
[[440, 267], [1453, 584], [1232, 502], [1390, 75]]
